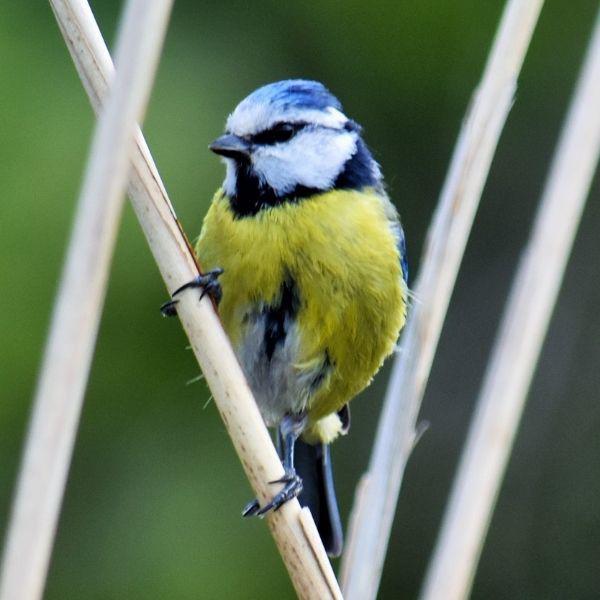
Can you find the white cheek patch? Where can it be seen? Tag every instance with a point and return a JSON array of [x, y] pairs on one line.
[[230, 177], [313, 158]]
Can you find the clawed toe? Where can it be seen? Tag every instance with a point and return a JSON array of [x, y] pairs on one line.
[[291, 489], [251, 509], [208, 283], [168, 309]]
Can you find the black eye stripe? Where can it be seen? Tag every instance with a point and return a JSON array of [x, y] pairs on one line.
[[280, 132]]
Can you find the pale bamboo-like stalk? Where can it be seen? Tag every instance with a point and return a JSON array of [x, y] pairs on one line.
[[377, 495], [78, 307], [293, 528], [517, 348]]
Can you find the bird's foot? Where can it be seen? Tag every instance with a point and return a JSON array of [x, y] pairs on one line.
[[208, 283], [292, 487]]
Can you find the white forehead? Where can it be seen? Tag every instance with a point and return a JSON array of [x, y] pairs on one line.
[[251, 117]]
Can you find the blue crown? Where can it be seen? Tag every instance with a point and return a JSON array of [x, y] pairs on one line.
[[295, 93]]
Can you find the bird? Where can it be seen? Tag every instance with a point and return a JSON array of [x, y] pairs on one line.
[[305, 254]]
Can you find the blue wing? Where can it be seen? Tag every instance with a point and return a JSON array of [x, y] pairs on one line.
[[403, 256], [401, 245]]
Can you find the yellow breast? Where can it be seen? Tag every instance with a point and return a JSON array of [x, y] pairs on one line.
[[339, 250]]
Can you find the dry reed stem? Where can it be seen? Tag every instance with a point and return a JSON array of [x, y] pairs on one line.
[[76, 316], [293, 529], [519, 342], [377, 495]]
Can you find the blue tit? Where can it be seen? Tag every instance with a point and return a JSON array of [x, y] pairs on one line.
[[311, 261]]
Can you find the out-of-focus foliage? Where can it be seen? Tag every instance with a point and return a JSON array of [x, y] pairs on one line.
[[152, 508]]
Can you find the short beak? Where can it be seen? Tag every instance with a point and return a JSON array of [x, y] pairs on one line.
[[231, 146]]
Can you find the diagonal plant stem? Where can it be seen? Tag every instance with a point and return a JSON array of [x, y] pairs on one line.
[[521, 335], [376, 498], [293, 528], [76, 316]]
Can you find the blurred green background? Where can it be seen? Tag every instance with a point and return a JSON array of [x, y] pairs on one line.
[[152, 507]]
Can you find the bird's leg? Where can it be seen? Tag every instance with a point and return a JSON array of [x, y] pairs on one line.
[[208, 282], [289, 430]]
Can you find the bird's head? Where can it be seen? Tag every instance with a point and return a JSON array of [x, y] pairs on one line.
[[289, 140]]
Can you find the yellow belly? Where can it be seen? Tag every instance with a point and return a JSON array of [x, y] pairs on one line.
[[340, 252]]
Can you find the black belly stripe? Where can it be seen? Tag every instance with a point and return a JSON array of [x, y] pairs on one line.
[[279, 316]]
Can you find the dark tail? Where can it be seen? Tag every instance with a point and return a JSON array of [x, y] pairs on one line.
[[313, 465]]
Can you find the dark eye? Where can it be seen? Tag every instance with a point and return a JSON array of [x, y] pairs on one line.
[[281, 132]]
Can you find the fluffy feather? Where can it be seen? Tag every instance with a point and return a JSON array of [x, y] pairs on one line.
[[341, 252]]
